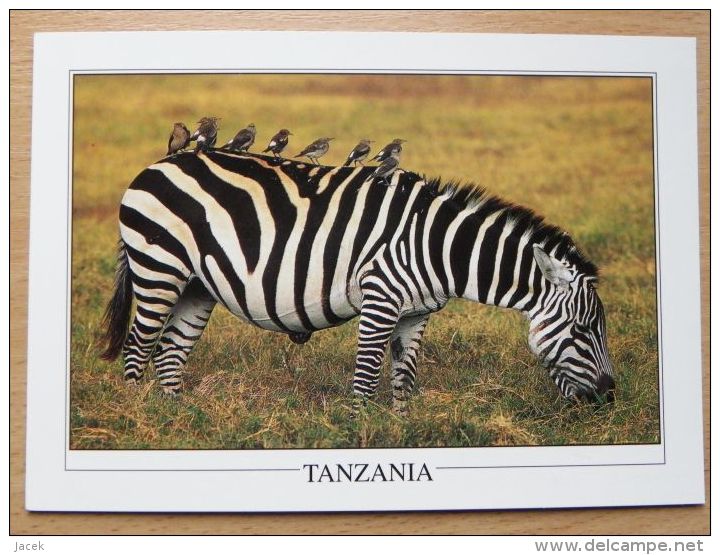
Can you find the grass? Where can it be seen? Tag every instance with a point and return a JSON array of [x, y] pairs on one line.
[[577, 150]]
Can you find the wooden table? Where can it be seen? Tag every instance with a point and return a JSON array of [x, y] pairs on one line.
[[657, 520]]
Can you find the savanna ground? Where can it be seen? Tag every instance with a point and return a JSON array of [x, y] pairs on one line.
[[577, 150]]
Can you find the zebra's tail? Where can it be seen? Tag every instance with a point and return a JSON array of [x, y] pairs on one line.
[[117, 313]]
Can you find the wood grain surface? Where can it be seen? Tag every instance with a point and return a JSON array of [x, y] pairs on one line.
[[656, 520]]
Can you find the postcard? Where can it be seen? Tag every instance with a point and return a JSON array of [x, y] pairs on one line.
[[279, 271]]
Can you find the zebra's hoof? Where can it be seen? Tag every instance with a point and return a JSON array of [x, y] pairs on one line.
[[300, 338], [359, 405], [401, 411], [171, 391], [132, 381]]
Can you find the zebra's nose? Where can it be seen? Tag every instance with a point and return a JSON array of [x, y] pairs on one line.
[[606, 386]]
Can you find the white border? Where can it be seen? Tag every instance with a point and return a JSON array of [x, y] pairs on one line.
[[670, 473]]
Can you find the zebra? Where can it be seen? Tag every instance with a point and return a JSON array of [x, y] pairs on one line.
[[296, 248]]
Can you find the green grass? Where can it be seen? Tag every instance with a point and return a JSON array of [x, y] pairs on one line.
[[577, 150]]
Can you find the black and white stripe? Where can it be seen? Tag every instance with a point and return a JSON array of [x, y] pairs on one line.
[[297, 248]]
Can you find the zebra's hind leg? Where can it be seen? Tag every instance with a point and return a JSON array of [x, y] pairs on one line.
[[404, 346], [379, 314], [187, 322], [151, 312]]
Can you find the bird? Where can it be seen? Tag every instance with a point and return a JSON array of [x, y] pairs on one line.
[[206, 133], [179, 138], [395, 147], [316, 149], [278, 143], [359, 153], [243, 140], [387, 168]]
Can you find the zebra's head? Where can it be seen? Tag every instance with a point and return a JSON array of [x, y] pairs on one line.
[[567, 331]]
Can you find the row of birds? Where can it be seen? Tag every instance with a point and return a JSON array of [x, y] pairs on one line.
[[205, 137]]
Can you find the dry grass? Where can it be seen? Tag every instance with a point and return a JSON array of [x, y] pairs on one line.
[[578, 150]]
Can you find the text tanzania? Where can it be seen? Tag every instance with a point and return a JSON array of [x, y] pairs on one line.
[[364, 472]]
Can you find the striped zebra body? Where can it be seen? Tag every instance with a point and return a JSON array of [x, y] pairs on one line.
[[296, 248]]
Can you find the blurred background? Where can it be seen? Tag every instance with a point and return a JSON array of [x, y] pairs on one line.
[[577, 150]]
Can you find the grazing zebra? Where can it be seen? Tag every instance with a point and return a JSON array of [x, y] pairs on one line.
[[296, 248]]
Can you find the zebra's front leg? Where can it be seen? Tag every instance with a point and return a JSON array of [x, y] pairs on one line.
[[404, 347], [378, 316], [185, 326]]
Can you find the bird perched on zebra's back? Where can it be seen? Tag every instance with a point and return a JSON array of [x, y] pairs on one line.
[[206, 133], [359, 153], [278, 143], [395, 147], [316, 149], [386, 169], [179, 139], [243, 140]]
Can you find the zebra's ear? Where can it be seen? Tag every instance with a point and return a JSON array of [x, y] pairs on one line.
[[552, 269]]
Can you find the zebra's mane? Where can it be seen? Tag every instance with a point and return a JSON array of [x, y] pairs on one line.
[[475, 197]]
